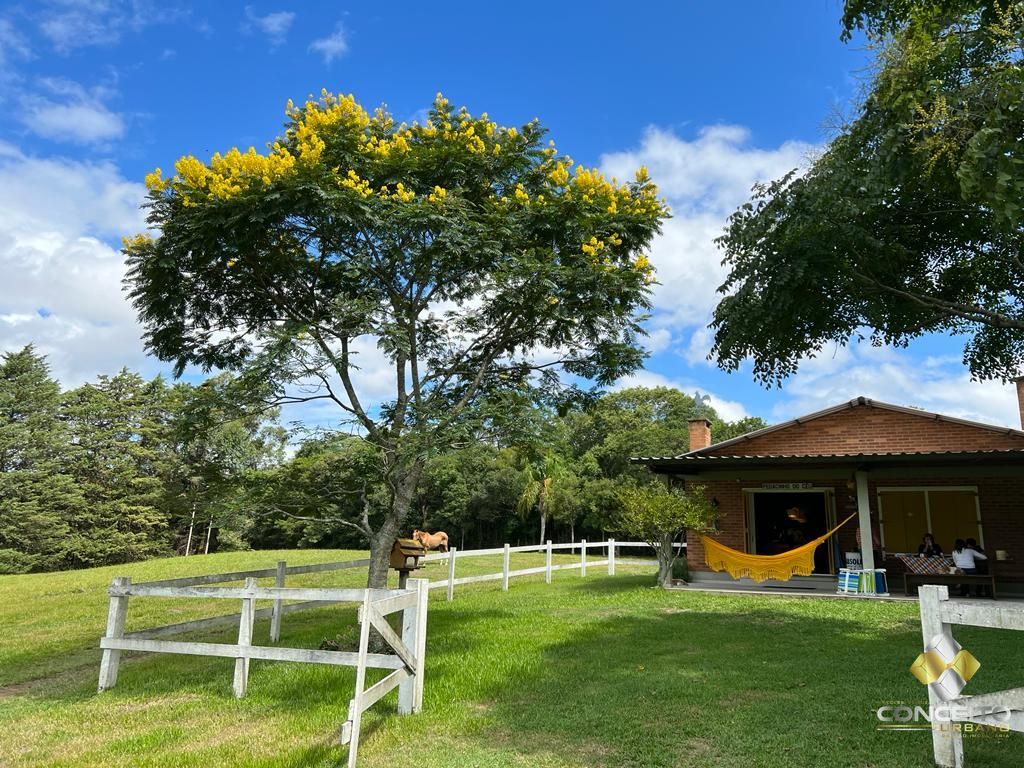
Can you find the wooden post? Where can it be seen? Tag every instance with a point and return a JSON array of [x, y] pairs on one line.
[[275, 616], [504, 570], [611, 557], [116, 614], [947, 742], [407, 688], [355, 707], [867, 551], [244, 641], [583, 557], [422, 587], [451, 573], [547, 563]]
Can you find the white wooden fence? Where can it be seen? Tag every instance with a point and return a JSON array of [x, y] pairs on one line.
[[406, 664], [453, 555], [1004, 709]]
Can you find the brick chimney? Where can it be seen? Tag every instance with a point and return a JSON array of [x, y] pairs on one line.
[[1020, 400], [700, 429]]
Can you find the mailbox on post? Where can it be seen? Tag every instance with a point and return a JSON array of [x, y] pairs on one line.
[[405, 558]]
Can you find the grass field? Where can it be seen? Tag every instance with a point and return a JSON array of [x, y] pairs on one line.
[[605, 671]]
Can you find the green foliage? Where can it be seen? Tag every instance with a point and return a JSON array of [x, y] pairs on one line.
[[911, 221], [111, 471], [661, 516], [460, 249], [653, 511], [34, 493]]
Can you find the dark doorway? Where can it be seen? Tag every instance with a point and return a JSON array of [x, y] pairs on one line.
[[787, 520]]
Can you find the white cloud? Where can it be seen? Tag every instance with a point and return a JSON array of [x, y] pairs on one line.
[[704, 180], [658, 340], [62, 278], [899, 377], [274, 25], [70, 112], [70, 24], [80, 123], [332, 47], [12, 43]]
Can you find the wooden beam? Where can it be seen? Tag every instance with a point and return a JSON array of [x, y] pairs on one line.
[[265, 653]]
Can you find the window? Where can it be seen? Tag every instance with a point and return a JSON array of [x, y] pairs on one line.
[[907, 514]]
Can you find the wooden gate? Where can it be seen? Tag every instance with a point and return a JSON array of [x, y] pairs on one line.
[[406, 664]]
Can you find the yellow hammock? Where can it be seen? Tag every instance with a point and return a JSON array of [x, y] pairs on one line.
[[795, 562]]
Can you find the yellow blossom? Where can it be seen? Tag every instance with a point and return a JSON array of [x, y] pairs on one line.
[[403, 194], [439, 194], [559, 175], [137, 242], [356, 184], [593, 246], [155, 181], [521, 194]]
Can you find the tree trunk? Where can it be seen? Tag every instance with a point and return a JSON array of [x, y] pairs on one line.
[[191, 527], [384, 537], [543, 524], [666, 558]]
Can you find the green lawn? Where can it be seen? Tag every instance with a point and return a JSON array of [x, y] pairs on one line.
[[605, 671]]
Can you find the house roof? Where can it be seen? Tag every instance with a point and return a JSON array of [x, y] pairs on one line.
[[706, 456], [696, 461]]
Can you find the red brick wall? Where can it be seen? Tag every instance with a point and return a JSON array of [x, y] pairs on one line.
[[866, 429], [1002, 516]]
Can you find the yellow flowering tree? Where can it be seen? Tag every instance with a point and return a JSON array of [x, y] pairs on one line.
[[485, 267]]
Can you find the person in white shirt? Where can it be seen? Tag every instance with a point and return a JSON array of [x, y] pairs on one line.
[[966, 559]]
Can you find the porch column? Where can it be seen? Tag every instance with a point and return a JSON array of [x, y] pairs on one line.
[[867, 552]]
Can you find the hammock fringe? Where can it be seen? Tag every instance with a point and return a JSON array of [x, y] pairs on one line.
[[782, 567]]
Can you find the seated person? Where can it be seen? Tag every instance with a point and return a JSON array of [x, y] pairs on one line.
[[928, 547], [966, 560], [982, 566]]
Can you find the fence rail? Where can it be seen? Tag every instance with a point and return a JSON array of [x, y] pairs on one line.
[[453, 555]]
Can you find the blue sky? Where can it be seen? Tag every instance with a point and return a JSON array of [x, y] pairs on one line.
[[711, 97]]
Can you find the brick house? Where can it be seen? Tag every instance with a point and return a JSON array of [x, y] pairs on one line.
[[907, 471]]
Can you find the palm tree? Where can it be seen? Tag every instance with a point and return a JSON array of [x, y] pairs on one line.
[[537, 493]]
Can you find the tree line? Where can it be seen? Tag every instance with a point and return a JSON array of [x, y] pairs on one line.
[[124, 468]]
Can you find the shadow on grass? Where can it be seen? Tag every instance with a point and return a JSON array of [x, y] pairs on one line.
[[771, 688]]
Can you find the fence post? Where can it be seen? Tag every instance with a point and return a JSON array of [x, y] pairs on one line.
[[451, 573], [583, 557], [275, 616], [611, 557], [355, 706], [116, 614], [504, 570], [947, 743], [420, 650], [547, 563], [244, 641], [414, 633]]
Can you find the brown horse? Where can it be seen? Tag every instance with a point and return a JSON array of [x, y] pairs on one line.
[[437, 540]]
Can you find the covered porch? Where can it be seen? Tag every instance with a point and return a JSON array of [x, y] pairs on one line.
[[772, 503]]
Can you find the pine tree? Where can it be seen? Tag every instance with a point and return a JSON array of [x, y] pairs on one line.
[[121, 460], [35, 492]]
